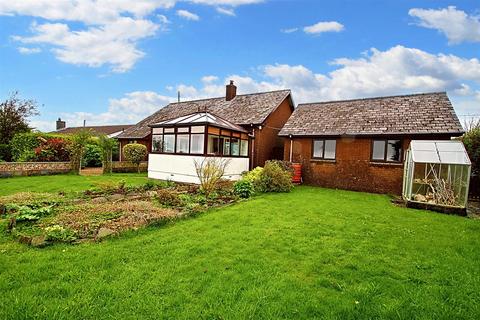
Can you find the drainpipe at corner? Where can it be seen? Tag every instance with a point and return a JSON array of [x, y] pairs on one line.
[[291, 147]]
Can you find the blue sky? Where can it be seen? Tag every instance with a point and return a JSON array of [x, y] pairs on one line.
[[112, 62]]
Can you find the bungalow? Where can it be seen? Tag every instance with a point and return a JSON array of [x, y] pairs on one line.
[[241, 127], [111, 131], [359, 144]]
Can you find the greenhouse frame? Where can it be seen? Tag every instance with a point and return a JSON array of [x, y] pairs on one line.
[[437, 173]]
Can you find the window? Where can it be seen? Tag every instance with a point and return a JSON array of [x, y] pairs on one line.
[[244, 148], [191, 140], [157, 143], [183, 143], [169, 143], [235, 147], [387, 150], [196, 143], [324, 149]]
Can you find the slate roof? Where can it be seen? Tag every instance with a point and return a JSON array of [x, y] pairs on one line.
[[242, 110], [426, 113], [200, 118], [95, 130]]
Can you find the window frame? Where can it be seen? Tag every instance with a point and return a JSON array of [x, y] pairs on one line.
[[323, 149], [222, 133], [385, 152]]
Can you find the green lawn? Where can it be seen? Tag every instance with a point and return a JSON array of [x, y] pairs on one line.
[[65, 183], [313, 253]]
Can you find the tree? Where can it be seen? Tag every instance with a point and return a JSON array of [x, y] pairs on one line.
[[135, 153], [78, 143], [471, 140], [14, 114], [107, 144]]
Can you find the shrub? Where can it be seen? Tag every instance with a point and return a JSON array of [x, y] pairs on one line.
[[5, 152], [274, 178], [92, 156], [210, 171], [254, 177], [471, 140], [135, 153], [23, 146], [243, 188], [52, 149], [58, 233], [107, 146], [168, 198], [76, 149]]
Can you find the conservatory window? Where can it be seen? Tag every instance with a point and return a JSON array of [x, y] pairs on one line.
[[244, 148], [196, 143], [324, 149], [157, 143], [169, 143], [235, 147], [387, 150], [183, 143]]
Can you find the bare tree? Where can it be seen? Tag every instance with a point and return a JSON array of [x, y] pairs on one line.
[[209, 171]]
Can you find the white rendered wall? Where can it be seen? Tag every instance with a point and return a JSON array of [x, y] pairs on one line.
[[181, 168]]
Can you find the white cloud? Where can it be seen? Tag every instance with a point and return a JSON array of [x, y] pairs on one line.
[[324, 26], [398, 70], [225, 11], [113, 44], [188, 15], [24, 50], [289, 30], [457, 25], [209, 79], [106, 32]]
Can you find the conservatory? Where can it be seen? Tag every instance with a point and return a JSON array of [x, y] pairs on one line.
[[181, 143], [436, 174]]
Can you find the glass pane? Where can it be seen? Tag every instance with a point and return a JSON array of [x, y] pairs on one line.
[[235, 147], [182, 130], [157, 130], [169, 130], [394, 150], [157, 143], [330, 148], [182, 143], [244, 148], [198, 129], [196, 143], [169, 143], [213, 144], [378, 150], [226, 146], [318, 148]]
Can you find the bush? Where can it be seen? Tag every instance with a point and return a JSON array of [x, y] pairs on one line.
[[52, 149], [23, 146], [274, 178], [5, 152], [58, 233], [135, 153], [92, 156], [210, 172], [243, 188], [471, 140], [168, 198], [254, 177]]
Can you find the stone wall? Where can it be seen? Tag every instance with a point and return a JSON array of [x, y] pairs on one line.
[[125, 166], [9, 169]]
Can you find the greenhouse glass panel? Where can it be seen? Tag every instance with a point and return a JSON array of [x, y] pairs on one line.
[[437, 173]]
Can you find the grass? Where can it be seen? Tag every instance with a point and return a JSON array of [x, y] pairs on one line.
[[313, 253], [66, 183]]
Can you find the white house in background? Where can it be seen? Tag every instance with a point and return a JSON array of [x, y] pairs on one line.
[[180, 142]]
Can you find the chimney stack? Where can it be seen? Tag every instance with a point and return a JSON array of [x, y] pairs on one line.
[[231, 91], [61, 124]]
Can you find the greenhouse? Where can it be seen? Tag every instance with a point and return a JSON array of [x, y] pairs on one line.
[[437, 173]]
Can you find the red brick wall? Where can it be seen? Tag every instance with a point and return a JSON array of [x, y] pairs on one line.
[[268, 145], [352, 169]]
